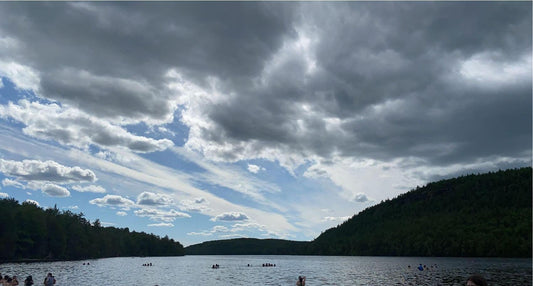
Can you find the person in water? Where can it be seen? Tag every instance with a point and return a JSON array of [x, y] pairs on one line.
[[476, 280], [28, 281], [50, 280], [301, 281]]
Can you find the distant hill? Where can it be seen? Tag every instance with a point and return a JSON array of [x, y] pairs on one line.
[[484, 215], [248, 246]]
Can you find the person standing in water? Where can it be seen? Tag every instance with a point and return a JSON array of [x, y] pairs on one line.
[[28, 281], [49, 280], [301, 281]]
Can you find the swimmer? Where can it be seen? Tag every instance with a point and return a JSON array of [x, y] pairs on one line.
[[476, 280], [301, 281]]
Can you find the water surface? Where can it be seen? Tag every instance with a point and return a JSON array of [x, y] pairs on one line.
[[234, 270]]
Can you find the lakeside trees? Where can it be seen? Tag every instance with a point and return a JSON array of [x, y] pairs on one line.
[[29, 232]]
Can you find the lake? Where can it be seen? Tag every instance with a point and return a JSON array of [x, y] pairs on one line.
[[234, 270]]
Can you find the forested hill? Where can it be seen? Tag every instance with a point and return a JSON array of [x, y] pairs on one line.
[[248, 246], [28, 232], [475, 215]]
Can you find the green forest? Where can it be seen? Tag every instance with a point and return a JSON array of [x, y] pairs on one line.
[[484, 215], [29, 232]]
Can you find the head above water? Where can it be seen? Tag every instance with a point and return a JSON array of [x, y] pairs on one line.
[[476, 280]]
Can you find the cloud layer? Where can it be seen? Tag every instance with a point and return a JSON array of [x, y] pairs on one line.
[[308, 87]]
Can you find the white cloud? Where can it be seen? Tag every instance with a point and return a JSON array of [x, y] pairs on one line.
[[231, 216], [70, 126], [361, 198], [215, 229], [249, 225], [34, 170], [113, 201], [336, 219], [201, 233], [24, 77], [162, 224], [90, 189], [254, 168], [233, 235], [494, 69], [32, 202], [162, 129], [121, 213], [74, 207], [233, 231], [152, 199], [8, 182], [4, 195], [196, 205], [159, 215], [54, 190], [352, 177]]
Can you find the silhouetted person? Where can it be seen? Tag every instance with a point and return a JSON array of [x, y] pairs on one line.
[[28, 281], [49, 280], [476, 280]]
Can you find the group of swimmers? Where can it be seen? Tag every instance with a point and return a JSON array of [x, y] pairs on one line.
[[216, 266], [13, 281], [269, 265], [424, 267], [148, 264], [8, 281]]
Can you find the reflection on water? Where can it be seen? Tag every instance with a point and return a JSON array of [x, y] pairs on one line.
[[234, 270]]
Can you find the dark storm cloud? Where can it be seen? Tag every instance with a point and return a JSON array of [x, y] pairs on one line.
[[110, 58], [444, 82], [393, 73]]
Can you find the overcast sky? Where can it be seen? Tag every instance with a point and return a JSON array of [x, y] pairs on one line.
[[216, 120]]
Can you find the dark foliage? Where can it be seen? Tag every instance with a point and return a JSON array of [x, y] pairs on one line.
[[28, 232], [248, 246], [486, 215], [474, 215]]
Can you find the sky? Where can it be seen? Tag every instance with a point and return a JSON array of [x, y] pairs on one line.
[[216, 120]]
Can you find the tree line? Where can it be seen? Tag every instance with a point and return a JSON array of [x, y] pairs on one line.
[[28, 232], [483, 215]]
